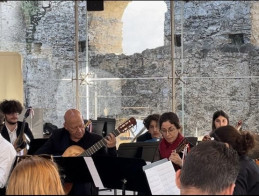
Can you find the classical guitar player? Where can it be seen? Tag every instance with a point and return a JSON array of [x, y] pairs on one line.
[[74, 134]]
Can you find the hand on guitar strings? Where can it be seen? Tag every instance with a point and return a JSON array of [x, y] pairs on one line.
[[206, 138], [110, 140], [175, 158]]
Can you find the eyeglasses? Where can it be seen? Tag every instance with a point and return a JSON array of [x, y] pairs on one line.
[[170, 130]]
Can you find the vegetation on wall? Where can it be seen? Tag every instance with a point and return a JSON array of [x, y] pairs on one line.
[[29, 8]]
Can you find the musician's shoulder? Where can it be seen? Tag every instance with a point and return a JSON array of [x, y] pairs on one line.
[[61, 132]]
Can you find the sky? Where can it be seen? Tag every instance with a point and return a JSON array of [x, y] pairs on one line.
[[143, 26]]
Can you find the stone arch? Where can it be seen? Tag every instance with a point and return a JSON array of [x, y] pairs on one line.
[[105, 28]]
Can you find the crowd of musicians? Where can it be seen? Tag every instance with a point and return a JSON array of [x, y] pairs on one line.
[[219, 164]]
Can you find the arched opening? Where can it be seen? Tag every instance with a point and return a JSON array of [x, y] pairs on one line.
[[143, 26]]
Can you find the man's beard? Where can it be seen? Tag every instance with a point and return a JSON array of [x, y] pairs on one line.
[[11, 123]]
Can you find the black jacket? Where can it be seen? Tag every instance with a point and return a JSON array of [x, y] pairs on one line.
[[60, 140], [144, 137], [247, 182], [27, 131]]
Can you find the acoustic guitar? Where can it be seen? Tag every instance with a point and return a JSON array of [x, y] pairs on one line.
[[182, 145], [75, 150], [21, 142]]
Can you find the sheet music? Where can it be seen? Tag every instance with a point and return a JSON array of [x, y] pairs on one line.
[[93, 171], [161, 178]]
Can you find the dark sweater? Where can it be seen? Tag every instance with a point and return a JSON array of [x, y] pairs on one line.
[[247, 182]]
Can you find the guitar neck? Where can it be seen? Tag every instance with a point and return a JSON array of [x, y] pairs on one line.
[[20, 136], [90, 151]]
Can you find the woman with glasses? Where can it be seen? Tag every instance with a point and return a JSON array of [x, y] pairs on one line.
[[173, 146], [35, 175]]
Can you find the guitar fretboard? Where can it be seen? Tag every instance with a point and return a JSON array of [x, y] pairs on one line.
[[90, 151]]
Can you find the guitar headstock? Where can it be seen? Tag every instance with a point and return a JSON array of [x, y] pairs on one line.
[[182, 145], [127, 125], [27, 113]]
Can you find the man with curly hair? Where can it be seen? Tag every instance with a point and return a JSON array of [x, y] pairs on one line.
[[12, 127]]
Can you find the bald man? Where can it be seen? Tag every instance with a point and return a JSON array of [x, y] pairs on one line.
[[74, 134]]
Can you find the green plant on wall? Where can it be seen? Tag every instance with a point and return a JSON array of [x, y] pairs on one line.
[[29, 8]]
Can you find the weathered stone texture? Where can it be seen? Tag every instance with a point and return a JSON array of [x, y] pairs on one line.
[[215, 70]]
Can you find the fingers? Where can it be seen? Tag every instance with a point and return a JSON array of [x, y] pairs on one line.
[[110, 140], [175, 158], [206, 138]]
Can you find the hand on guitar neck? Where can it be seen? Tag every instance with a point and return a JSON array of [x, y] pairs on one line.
[[239, 125]]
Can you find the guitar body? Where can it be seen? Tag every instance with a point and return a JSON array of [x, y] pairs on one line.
[[73, 151]]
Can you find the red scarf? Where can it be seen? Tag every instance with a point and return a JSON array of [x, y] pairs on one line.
[[166, 148]]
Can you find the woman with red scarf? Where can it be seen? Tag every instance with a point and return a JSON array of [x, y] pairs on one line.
[[172, 139]]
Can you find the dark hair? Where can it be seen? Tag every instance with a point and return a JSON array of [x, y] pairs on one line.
[[149, 118], [11, 106], [171, 117], [217, 169], [216, 115], [241, 141]]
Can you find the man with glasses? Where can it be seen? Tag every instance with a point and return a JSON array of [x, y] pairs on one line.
[[7, 157], [73, 134], [12, 127]]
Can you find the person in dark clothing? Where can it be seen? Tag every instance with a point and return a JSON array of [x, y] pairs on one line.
[[12, 127], [153, 133], [247, 182], [215, 173], [73, 134]]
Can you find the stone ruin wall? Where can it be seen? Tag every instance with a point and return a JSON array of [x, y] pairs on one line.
[[208, 52]]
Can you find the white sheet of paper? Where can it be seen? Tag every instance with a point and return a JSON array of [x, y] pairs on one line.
[[161, 179], [93, 171]]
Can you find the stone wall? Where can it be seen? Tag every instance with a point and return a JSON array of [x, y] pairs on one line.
[[216, 69]]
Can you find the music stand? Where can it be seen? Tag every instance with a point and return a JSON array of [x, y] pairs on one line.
[[147, 151], [122, 173], [35, 144], [73, 168]]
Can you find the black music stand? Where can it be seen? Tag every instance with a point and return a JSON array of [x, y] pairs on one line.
[[122, 173], [73, 168], [36, 144], [148, 151]]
